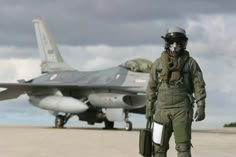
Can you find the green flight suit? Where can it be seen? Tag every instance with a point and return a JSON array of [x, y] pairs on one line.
[[174, 107]]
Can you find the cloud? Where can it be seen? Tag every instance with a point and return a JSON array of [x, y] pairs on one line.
[[98, 22], [9, 52], [102, 56], [15, 69]]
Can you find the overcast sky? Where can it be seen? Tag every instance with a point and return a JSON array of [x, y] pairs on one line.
[[96, 34]]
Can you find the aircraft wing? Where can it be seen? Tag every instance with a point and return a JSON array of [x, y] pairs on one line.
[[14, 90], [30, 86]]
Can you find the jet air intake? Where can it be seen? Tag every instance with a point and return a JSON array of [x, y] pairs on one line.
[[59, 104], [114, 100]]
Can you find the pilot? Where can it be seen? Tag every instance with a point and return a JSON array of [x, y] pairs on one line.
[[175, 80]]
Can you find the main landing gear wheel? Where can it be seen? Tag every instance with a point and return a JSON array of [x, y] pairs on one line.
[[59, 121], [128, 126], [109, 125]]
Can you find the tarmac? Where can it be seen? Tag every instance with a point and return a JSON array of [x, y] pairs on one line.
[[43, 141]]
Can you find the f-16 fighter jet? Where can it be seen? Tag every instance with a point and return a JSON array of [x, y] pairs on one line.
[[94, 96]]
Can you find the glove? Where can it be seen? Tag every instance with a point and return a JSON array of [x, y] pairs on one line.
[[200, 112]]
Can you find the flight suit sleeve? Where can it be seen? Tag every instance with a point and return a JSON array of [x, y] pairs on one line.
[[151, 92], [198, 83]]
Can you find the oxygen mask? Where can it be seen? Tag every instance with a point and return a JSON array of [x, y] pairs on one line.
[[176, 48]]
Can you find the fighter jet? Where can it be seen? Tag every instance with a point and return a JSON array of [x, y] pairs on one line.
[[94, 96]]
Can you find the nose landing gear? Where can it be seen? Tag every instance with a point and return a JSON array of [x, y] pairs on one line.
[[128, 124]]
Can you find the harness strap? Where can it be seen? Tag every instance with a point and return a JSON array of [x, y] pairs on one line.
[[184, 72]]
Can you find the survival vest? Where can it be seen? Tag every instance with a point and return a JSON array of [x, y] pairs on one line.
[[183, 74]]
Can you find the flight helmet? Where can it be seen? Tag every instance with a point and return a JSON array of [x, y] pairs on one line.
[[175, 40]]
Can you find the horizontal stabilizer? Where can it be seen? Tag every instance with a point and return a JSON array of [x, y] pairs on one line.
[[10, 94]]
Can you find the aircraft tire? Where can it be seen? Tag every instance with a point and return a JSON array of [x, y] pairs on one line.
[[128, 126], [59, 121]]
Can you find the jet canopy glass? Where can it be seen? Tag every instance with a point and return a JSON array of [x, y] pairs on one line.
[[138, 65]]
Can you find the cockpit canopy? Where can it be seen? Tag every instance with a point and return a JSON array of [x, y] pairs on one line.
[[138, 65]]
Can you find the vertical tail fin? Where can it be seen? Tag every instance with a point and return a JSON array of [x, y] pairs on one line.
[[51, 58]]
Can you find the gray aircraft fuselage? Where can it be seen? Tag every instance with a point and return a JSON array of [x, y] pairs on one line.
[[136, 82]]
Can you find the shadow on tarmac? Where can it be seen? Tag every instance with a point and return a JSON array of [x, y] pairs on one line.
[[93, 128]]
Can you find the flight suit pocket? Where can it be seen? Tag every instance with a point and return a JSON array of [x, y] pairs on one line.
[[182, 132], [182, 126]]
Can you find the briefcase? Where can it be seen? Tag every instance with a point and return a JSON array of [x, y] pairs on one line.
[[145, 141]]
